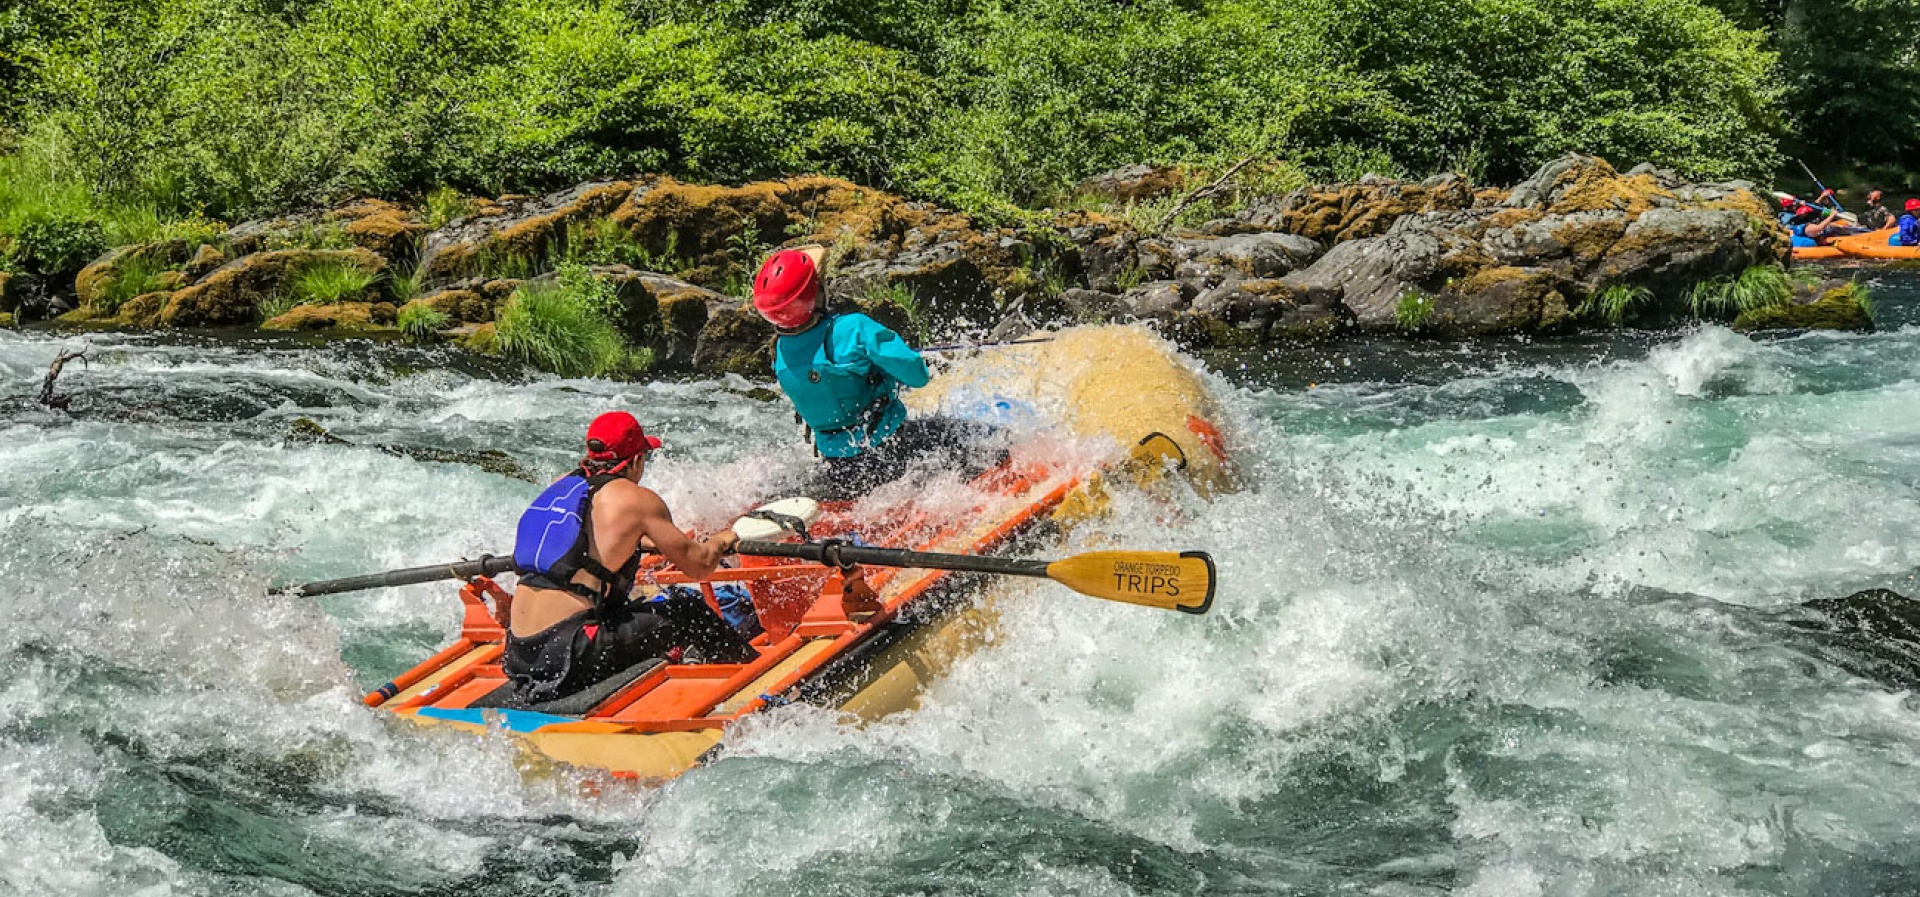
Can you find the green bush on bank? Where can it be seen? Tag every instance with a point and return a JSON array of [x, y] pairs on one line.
[[234, 110], [565, 326]]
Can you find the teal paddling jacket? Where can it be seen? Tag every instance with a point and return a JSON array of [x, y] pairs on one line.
[[843, 375]]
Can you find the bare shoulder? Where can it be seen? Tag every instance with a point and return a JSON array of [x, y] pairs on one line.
[[626, 495]]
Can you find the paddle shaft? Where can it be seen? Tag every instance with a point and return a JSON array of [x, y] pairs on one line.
[[487, 565], [1823, 188], [960, 347], [836, 555]]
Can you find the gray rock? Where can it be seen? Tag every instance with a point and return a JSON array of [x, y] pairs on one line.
[[1108, 261], [1159, 299], [1092, 306], [1130, 183], [1213, 260], [1369, 276]]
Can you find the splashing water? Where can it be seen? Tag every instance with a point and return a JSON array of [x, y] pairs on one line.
[[1507, 619]]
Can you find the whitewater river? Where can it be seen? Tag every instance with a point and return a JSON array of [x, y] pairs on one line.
[[1516, 618]]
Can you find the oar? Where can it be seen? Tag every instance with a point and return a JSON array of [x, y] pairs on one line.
[[1823, 188], [1181, 581], [487, 565], [961, 347]]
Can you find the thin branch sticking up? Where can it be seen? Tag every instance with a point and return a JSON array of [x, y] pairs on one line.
[[1202, 193], [47, 396]]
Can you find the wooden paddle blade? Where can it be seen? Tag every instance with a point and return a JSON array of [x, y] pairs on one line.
[[1163, 579]]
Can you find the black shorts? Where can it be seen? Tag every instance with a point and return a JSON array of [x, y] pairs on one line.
[[574, 653]]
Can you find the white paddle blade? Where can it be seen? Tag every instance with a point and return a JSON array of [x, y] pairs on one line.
[[761, 529]]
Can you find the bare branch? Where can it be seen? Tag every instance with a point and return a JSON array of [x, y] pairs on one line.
[[47, 396], [1202, 193]]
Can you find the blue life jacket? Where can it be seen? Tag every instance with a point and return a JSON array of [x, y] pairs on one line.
[[1908, 234], [554, 536], [843, 376]]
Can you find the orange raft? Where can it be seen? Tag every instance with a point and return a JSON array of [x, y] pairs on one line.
[[1871, 245], [656, 721], [1817, 253]]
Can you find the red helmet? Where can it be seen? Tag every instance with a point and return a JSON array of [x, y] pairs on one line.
[[787, 289], [1913, 205], [1786, 202]]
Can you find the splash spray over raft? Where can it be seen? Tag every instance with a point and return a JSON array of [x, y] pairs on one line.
[[1121, 390]]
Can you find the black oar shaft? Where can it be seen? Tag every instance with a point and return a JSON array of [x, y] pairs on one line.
[[893, 557], [487, 565]]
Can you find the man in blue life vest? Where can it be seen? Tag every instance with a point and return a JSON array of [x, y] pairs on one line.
[[843, 372], [578, 550], [1907, 229]]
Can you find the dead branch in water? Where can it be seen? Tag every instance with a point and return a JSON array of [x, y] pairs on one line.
[[47, 397], [1202, 193]]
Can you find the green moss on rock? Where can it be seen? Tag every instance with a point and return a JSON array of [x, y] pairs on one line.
[[1837, 309]]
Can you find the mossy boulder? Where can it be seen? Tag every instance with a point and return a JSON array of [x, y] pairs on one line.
[[6, 319], [381, 227], [525, 236], [357, 317], [1335, 213], [206, 260], [1839, 308], [482, 339], [232, 294], [1502, 299], [461, 305], [90, 286], [8, 301]]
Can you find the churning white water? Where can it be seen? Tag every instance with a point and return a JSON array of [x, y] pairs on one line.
[[1514, 619]]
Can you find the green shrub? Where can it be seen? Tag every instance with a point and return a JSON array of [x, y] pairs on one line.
[[135, 276], [1413, 310], [1760, 286], [328, 282], [423, 322], [446, 205], [243, 109], [55, 245], [563, 326]]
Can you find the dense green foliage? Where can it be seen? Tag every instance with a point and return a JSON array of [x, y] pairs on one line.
[[129, 112]]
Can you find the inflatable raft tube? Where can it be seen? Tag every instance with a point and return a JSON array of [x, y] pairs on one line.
[[1873, 245], [1142, 408]]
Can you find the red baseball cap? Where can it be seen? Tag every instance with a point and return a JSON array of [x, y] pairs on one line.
[[616, 436]]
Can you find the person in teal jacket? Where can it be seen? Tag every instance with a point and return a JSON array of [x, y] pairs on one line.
[[843, 371]]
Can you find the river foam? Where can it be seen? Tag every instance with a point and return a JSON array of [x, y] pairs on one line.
[[1512, 630]]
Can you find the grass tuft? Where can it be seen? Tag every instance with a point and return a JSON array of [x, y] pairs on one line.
[[1413, 310], [328, 282], [1613, 303], [563, 326], [136, 276], [1761, 286], [423, 322]]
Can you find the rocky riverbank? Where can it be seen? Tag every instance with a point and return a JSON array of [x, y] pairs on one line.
[[1577, 245]]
